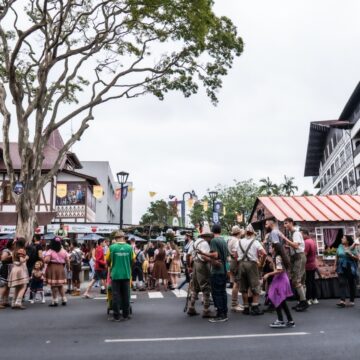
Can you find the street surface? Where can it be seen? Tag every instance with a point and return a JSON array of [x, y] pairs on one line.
[[160, 330]]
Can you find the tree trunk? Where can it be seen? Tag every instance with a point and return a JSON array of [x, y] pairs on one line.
[[26, 216]]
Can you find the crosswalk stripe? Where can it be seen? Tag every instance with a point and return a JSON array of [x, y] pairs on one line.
[[155, 295], [180, 293]]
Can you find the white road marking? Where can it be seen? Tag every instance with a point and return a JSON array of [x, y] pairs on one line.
[[155, 295], [133, 297], [180, 293], [195, 338]]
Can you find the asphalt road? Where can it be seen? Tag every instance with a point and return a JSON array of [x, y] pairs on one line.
[[160, 330]]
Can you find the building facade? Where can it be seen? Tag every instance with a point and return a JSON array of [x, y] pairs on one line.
[[108, 207], [333, 154]]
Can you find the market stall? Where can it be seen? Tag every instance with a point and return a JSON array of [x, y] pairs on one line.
[[327, 218]]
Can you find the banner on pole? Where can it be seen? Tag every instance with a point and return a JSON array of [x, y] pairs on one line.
[[98, 191], [61, 190]]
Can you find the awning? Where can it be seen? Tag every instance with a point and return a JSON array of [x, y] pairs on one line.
[[44, 218], [334, 208]]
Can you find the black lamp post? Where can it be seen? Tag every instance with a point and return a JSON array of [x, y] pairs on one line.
[[122, 177]]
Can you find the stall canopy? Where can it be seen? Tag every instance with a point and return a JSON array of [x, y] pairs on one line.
[[136, 238], [91, 237], [309, 208]]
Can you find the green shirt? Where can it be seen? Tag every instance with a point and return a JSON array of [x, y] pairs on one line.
[[121, 258], [218, 244]]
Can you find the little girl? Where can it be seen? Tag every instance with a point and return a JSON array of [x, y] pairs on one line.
[[280, 288], [37, 282]]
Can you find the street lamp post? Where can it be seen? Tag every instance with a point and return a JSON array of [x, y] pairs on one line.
[[213, 195], [183, 209], [122, 177]]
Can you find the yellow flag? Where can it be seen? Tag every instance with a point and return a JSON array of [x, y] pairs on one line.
[[98, 191], [130, 189], [61, 190], [224, 210], [205, 205], [152, 193]]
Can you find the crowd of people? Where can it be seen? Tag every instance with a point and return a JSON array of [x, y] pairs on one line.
[[278, 266]]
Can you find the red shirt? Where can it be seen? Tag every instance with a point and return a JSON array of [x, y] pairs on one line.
[[100, 263], [310, 252]]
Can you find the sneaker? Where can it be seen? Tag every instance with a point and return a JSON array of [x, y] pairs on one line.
[[290, 324], [302, 306], [219, 319], [43, 301], [237, 308], [315, 301], [296, 306], [309, 302], [31, 301], [255, 310], [341, 304], [277, 324], [351, 304]]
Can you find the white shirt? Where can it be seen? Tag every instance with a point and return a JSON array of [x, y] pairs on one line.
[[298, 238], [186, 249], [199, 244], [233, 244], [253, 253]]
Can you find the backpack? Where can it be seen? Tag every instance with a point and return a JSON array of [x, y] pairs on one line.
[[76, 257]]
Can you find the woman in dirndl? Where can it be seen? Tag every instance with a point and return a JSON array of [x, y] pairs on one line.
[[160, 271], [19, 275], [5, 269], [175, 267], [56, 259]]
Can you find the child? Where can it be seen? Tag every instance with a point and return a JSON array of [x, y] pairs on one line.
[[280, 288], [37, 282]]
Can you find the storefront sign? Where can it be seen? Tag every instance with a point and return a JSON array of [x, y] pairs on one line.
[[8, 229], [85, 228]]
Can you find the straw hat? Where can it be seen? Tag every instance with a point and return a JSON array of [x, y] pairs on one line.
[[119, 234], [236, 230], [250, 229]]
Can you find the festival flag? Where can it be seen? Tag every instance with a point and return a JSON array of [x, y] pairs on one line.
[[224, 210], [190, 203], [98, 191], [152, 193], [125, 192], [131, 189], [61, 190], [117, 194]]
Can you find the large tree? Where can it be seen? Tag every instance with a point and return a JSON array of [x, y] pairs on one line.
[[59, 59], [158, 213]]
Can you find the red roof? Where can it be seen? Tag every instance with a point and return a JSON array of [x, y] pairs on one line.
[[314, 208]]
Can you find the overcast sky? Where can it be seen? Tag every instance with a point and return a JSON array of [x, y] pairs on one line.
[[300, 64]]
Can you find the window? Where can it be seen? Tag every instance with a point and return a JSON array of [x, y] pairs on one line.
[[337, 164], [332, 169], [331, 146], [334, 139], [345, 184], [334, 190], [351, 178], [348, 151], [342, 158], [340, 189], [328, 175], [5, 192]]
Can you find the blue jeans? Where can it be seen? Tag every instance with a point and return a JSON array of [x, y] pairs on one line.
[[218, 292]]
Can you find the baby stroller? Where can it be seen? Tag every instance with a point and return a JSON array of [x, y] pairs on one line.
[[109, 295]]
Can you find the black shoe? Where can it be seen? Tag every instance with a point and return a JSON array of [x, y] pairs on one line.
[[219, 319], [255, 311], [290, 324], [341, 305], [53, 305], [246, 311], [296, 306], [103, 292], [302, 306]]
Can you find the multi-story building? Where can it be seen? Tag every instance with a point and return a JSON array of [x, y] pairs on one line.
[[333, 154], [108, 207]]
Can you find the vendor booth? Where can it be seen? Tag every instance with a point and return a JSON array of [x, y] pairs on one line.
[[327, 218]]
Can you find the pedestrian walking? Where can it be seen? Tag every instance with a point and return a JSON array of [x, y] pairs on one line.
[[57, 259], [76, 257], [5, 269], [175, 266], [250, 254], [217, 257], [34, 252], [37, 282], [137, 269], [185, 258], [297, 262], [280, 288], [233, 243], [160, 272], [310, 268], [120, 258], [346, 265], [19, 275], [100, 269], [199, 267]]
